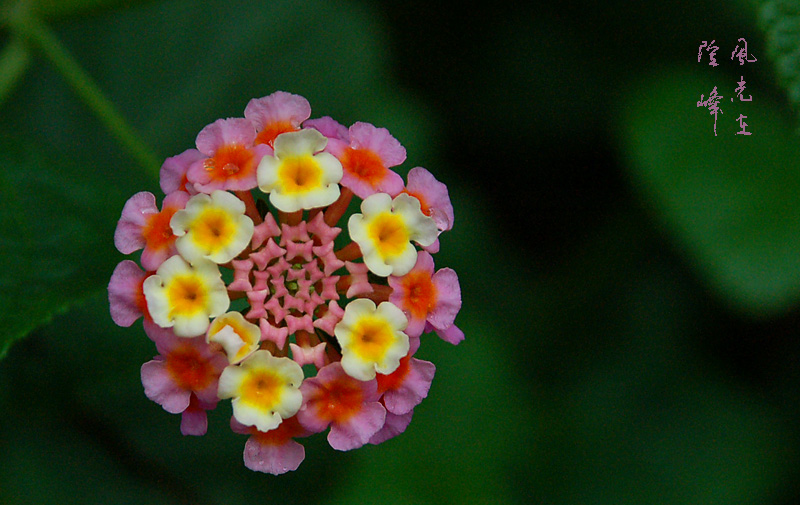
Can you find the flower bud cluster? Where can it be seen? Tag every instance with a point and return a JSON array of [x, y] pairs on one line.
[[251, 292]]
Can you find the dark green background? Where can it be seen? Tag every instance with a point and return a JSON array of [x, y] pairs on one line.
[[630, 281]]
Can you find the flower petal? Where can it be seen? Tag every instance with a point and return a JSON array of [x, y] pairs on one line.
[[378, 140], [448, 300], [413, 389], [395, 424], [125, 295], [128, 235], [224, 132], [173, 171], [159, 387], [433, 196], [329, 127], [358, 429], [271, 458]]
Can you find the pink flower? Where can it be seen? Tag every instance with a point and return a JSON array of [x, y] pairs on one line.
[[231, 157], [395, 424], [309, 355], [329, 127], [451, 334], [125, 295], [173, 172], [349, 406], [250, 276], [143, 226], [426, 296], [367, 158], [194, 420], [402, 390], [406, 387], [434, 200], [433, 197], [288, 277], [273, 451], [280, 112], [184, 368]]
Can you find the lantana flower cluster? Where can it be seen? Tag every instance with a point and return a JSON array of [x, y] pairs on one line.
[[252, 293]]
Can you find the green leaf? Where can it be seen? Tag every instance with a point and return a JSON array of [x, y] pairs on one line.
[[54, 464], [60, 8], [55, 230], [780, 20], [729, 200]]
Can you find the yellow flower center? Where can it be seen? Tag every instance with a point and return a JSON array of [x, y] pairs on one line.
[[262, 389], [187, 295], [389, 234], [299, 174], [213, 230], [371, 338]]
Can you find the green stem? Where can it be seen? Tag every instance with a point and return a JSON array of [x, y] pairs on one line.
[[32, 28], [14, 61]]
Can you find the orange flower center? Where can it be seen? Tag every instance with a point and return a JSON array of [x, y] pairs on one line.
[[231, 161], [184, 182], [272, 130], [420, 293], [213, 229], [157, 231], [395, 379], [189, 369], [339, 401], [371, 338], [363, 164]]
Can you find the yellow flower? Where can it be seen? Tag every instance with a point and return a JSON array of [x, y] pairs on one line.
[[265, 390], [184, 296], [385, 229], [212, 227], [295, 177], [372, 338], [238, 337]]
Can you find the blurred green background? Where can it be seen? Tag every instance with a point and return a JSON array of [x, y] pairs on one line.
[[631, 282]]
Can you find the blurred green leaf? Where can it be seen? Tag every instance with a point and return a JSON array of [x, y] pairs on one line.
[[729, 200], [781, 22], [59, 8], [54, 236], [330, 53], [54, 8], [54, 464], [631, 414]]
